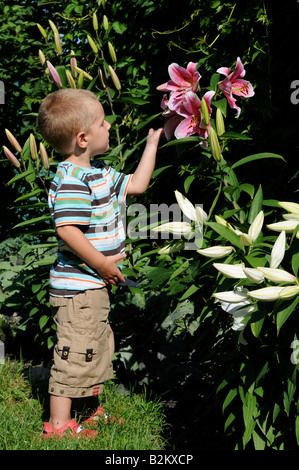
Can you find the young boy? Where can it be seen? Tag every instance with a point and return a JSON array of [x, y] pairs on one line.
[[84, 202]]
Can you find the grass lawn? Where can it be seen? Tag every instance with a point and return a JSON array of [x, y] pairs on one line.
[[22, 414]]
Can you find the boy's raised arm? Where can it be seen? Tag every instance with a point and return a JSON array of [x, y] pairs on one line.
[[143, 173]]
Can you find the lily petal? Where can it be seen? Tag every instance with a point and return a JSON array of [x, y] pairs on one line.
[[177, 228], [277, 275], [290, 206], [254, 275], [256, 226], [278, 250], [234, 271], [231, 296], [287, 225], [186, 206], [266, 294], [289, 292], [216, 251]]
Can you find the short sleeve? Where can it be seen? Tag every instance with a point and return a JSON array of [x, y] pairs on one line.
[[121, 183], [73, 203]]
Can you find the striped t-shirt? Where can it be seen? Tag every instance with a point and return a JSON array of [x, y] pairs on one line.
[[89, 199]]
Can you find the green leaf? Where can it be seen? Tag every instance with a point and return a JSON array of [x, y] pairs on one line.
[[190, 291], [222, 104], [235, 135], [131, 99], [229, 398], [20, 176], [256, 205], [284, 314], [257, 156], [34, 193], [42, 321], [184, 140], [36, 220], [226, 233], [295, 263]]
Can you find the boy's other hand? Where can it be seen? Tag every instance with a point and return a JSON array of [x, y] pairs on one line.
[[109, 271]]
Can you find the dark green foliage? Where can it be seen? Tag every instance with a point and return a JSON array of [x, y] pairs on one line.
[[224, 390]]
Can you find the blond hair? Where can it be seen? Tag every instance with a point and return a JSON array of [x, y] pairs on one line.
[[63, 114]]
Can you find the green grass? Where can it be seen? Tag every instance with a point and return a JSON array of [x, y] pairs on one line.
[[22, 416]]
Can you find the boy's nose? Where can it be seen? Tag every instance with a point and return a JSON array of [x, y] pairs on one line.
[[108, 125]]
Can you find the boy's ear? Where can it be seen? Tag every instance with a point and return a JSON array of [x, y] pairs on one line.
[[81, 140]]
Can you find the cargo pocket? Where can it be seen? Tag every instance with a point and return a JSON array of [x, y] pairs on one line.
[[81, 361]]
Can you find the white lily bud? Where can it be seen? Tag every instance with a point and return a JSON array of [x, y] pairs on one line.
[[234, 271], [231, 296], [201, 215], [185, 205], [290, 206], [176, 228], [216, 251], [266, 294], [222, 221], [256, 226], [286, 225], [289, 292], [278, 250], [291, 216], [277, 275], [245, 239], [254, 275], [171, 248]]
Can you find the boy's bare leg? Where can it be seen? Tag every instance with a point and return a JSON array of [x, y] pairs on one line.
[[60, 411]]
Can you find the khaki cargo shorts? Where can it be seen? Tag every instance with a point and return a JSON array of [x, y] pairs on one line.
[[85, 344]]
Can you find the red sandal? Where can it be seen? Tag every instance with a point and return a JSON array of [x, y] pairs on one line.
[[94, 418], [72, 428]]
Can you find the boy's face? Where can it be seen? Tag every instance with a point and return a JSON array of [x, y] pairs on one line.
[[98, 135]]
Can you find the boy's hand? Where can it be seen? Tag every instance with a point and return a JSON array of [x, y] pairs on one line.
[[154, 137], [109, 271]]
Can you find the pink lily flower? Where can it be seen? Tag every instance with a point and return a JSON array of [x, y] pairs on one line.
[[234, 84], [54, 74], [181, 81], [191, 110], [174, 118]]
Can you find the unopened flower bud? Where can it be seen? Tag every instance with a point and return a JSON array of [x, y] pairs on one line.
[[13, 141], [289, 292], [70, 79], [85, 74], [112, 52], [42, 30], [219, 122], [73, 62], [55, 74], [53, 27], [57, 42], [11, 157], [216, 251], [32, 146], [290, 206], [42, 57], [101, 78], [115, 78], [214, 144], [93, 45], [80, 79], [95, 23], [44, 156], [205, 112], [105, 23]]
